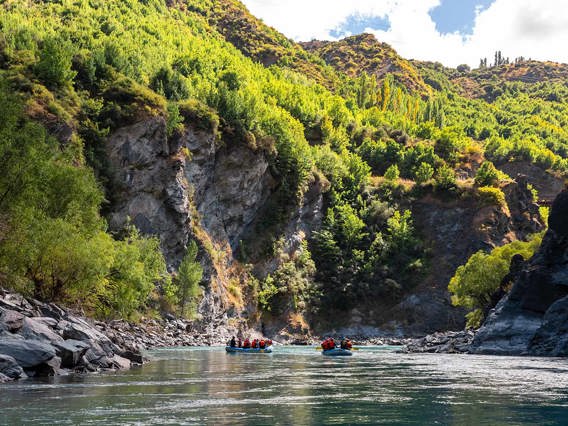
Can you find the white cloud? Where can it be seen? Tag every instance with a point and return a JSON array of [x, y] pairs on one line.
[[529, 28]]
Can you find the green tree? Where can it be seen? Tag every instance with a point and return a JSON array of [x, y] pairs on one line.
[[473, 283], [187, 281], [54, 65], [392, 174], [487, 174], [424, 173]]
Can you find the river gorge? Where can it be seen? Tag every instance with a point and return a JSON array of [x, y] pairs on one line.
[[296, 385]]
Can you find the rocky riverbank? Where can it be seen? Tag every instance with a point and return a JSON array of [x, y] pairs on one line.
[[449, 342], [43, 339]]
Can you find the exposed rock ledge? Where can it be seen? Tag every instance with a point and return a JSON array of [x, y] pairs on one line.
[[533, 318], [42, 339]]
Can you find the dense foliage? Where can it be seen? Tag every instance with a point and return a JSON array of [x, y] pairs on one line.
[[55, 246], [374, 141], [475, 282]]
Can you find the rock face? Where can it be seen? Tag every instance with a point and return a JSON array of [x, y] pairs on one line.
[[192, 186], [35, 345], [167, 185], [532, 318], [188, 186], [454, 230]]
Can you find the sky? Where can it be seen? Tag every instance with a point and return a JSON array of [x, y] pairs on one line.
[[452, 32]]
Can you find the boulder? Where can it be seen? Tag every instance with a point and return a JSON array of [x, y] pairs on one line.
[[12, 321], [53, 311], [9, 367], [51, 367], [96, 356], [49, 321], [78, 329], [120, 363], [70, 352], [27, 353], [36, 330], [551, 339], [135, 357]]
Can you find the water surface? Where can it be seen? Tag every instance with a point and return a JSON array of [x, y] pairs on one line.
[[300, 386]]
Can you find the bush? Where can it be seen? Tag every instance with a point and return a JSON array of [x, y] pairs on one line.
[[187, 281], [424, 173], [199, 115], [474, 283], [487, 174], [445, 178], [170, 84], [492, 196], [392, 174], [55, 60]]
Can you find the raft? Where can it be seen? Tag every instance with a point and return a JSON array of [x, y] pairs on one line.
[[266, 350], [337, 352]]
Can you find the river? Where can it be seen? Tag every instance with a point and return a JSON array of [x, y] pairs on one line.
[[297, 385]]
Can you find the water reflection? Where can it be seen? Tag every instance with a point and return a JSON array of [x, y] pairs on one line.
[[299, 386]]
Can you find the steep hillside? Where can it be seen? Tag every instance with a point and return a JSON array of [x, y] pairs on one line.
[[365, 54], [264, 44], [181, 156]]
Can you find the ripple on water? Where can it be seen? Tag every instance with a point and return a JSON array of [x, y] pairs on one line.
[[300, 386]]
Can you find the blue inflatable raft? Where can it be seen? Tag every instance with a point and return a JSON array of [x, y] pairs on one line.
[[266, 350], [337, 352]]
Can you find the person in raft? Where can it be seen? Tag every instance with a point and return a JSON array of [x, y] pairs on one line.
[[233, 342], [246, 343], [328, 344], [346, 344]]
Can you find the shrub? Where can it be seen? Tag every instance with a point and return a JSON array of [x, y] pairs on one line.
[[424, 173], [199, 115], [492, 196], [187, 281], [487, 174], [445, 178], [55, 60], [392, 174], [474, 283], [170, 84]]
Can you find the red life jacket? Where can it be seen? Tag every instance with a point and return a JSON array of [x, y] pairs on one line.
[[246, 344], [262, 344]]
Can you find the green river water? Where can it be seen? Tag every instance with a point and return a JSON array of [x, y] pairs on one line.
[[299, 386]]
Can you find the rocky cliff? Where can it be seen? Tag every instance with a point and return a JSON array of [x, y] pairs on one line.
[[532, 318], [193, 185], [453, 229]]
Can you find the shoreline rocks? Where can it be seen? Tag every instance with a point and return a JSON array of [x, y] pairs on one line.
[[43, 339], [449, 342]]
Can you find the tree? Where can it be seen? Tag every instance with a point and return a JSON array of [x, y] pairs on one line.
[[446, 178], [54, 65], [424, 173], [463, 68], [474, 283], [487, 174], [187, 280], [392, 174]]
